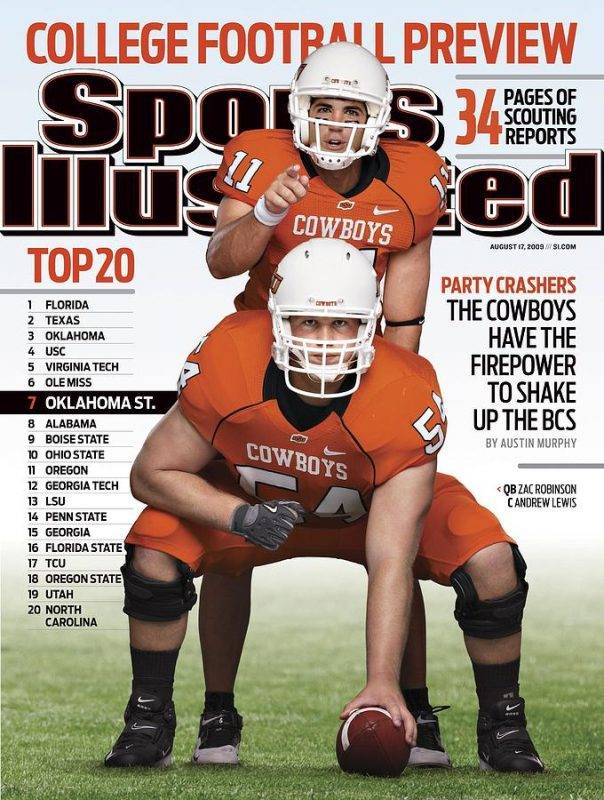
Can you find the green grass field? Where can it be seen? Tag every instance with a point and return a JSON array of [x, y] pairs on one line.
[[63, 694]]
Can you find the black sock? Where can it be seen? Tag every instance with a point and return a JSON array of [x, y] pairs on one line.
[[496, 682], [153, 671], [417, 700], [219, 701]]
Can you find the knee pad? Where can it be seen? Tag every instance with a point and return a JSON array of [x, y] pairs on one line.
[[490, 619], [157, 601]]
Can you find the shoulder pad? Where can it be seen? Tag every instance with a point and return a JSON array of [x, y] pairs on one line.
[[252, 161], [226, 370], [398, 414], [420, 176]]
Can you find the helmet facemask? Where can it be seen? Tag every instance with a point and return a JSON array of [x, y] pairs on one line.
[[324, 280], [307, 129], [324, 361]]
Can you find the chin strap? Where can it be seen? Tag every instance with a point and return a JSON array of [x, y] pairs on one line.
[[405, 323]]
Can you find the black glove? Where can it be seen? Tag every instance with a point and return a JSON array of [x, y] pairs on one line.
[[267, 524]]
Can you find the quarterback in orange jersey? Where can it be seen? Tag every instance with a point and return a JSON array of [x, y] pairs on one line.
[[328, 444], [332, 179]]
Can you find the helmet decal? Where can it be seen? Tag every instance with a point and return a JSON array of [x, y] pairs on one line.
[[300, 70], [275, 281]]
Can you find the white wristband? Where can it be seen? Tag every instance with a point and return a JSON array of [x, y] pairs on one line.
[[266, 217]]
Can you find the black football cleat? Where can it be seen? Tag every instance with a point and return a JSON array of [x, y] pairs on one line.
[[429, 750], [504, 744], [148, 735], [219, 738]]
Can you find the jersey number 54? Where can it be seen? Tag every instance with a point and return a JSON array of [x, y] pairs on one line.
[[435, 436]]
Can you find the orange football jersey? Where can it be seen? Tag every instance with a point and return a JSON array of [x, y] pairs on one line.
[[277, 446], [395, 204]]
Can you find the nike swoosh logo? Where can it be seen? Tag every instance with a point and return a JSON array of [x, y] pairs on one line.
[[379, 211], [145, 699], [511, 708], [137, 727], [503, 735], [272, 509], [329, 452], [528, 755], [207, 721]]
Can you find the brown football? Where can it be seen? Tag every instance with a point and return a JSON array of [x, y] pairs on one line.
[[368, 743]]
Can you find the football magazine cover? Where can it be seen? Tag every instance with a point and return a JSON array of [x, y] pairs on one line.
[[300, 314]]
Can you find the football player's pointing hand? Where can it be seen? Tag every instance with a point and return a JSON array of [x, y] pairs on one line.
[[287, 189], [267, 524]]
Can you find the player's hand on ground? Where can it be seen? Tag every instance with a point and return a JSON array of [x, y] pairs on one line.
[[385, 695], [267, 524], [286, 190]]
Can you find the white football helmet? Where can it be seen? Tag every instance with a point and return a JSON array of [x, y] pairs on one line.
[[328, 278], [345, 71]]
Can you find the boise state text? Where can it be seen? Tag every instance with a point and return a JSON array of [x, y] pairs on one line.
[[77, 188]]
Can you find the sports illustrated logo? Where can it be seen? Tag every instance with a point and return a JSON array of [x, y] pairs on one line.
[[83, 190], [275, 282], [345, 205], [298, 438]]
